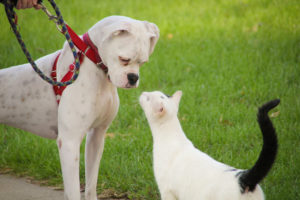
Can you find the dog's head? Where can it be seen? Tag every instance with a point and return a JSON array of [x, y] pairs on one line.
[[124, 45]]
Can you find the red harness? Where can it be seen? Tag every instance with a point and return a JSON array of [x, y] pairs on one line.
[[86, 48]]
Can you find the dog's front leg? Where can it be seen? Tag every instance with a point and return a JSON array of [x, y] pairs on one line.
[[69, 152], [93, 153]]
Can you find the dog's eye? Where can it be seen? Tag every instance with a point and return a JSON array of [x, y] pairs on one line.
[[124, 61], [162, 97], [148, 98]]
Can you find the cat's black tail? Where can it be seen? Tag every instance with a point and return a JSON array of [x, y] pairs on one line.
[[248, 179]]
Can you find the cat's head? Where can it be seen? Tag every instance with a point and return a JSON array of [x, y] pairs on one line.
[[157, 105]]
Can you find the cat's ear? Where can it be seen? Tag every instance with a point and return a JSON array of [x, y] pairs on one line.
[[176, 97]]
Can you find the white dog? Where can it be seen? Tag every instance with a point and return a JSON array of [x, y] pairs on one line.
[[88, 105]]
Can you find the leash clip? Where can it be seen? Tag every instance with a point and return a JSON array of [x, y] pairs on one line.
[[99, 64], [86, 50], [51, 17]]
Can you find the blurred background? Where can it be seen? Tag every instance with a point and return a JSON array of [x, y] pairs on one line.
[[227, 56]]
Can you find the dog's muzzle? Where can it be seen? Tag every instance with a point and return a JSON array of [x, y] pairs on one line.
[[132, 78]]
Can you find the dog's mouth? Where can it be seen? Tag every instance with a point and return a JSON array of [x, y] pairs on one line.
[[128, 86]]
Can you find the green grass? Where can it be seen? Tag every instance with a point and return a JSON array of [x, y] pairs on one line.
[[228, 57]]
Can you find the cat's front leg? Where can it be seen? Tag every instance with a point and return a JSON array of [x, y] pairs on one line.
[[167, 195]]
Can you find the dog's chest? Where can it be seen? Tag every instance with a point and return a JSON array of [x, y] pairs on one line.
[[106, 108]]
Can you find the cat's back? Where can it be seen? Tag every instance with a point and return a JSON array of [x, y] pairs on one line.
[[194, 158], [199, 176], [191, 163]]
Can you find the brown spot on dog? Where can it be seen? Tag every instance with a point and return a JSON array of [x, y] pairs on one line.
[[37, 94], [45, 89], [54, 129], [59, 143], [26, 82], [28, 115], [48, 113]]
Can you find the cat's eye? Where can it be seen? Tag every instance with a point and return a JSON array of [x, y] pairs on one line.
[[148, 98], [167, 95], [162, 97]]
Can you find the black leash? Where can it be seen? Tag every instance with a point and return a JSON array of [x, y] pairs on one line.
[[12, 18]]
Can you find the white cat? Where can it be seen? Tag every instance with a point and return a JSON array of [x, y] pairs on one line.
[[183, 172]]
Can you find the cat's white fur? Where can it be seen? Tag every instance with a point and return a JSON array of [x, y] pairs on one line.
[[183, 172]]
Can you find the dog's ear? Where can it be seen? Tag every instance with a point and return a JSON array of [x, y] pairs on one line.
[[153, 33], [123, 29], [176, 97], [116, 29]]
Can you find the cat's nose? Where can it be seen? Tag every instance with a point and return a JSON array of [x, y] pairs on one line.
[[145, 95], [142, 98]]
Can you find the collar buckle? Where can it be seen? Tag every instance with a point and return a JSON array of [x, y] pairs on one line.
[[86, 50]]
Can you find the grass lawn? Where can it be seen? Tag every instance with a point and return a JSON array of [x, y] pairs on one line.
[[227, 56]]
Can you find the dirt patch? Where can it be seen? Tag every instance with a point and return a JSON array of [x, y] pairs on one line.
[[110, 194], [25, 188]]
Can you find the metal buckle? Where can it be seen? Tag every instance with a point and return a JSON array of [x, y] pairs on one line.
[[86, 50], [51, 17], [99, 64]]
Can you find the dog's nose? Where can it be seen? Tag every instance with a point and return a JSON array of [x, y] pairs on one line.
[[132, 78]]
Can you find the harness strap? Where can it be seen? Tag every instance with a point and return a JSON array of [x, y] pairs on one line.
[[86, 48], [58, 90]]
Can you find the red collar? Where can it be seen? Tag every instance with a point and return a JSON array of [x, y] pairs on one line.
[[87, 47]]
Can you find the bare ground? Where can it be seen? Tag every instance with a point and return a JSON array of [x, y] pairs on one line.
[[12, 188]]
